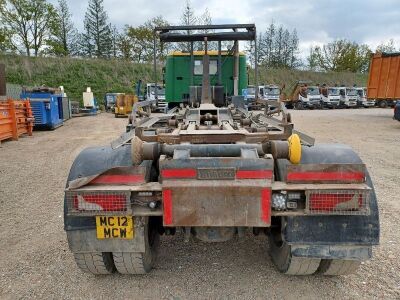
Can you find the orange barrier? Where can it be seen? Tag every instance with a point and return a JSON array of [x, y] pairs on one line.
[[16, 118]]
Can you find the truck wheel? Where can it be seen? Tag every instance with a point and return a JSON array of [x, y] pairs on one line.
[[383, 104], [97, 263], [334, 267], [139, 262], [298, 105], [282, 257]]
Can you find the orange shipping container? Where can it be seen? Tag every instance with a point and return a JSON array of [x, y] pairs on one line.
[[384, 77], [15, 119]]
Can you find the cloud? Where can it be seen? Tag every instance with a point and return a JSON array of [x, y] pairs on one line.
[[316, 21]]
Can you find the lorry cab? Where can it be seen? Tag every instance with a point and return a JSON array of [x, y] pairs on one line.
[[310, 97], [270, 92], [363, 101], [249, 95], [150, 94], [348, 97], [330, 96]]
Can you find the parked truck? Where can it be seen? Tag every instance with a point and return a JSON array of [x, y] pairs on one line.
[[304, 95], [363, 100], [330, 96], [384, 79], [270, 92], [213, 172], [157, 93], [348, 97]]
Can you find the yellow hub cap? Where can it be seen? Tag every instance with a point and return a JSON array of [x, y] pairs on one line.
[[294, 149]]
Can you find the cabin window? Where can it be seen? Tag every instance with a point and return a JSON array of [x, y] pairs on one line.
[[198, 67]]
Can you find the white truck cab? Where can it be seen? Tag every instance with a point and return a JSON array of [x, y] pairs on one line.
[[150, 94], [310, 97], [270, 92], [330, 96], [362, 98], [348, 96]]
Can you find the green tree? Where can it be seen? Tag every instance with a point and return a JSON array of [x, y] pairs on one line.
[[137, 43], [114, 41], [341, 55], [63, 39], [28, 22], [97, 29], [278, 48]]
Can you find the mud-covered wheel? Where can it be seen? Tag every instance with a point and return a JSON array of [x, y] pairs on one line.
[[98, 263], [282, 257], [139, 262], [298, 105], [334, 267], [383, 104]]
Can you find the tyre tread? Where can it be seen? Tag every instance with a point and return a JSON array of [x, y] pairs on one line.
[[129, 262], [98, 263]]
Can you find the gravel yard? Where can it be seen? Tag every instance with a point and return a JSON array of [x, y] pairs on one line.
[[35, 261]]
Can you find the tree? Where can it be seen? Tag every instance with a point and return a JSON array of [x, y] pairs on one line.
[[63, 40], [28, 22], [386, 47], [341, 55], [312, 60], [98, 29], [278, 48], [137, 43], [114, 41], [188, 18], [86, 45], [5, 34], [294, 61], [205, 19]]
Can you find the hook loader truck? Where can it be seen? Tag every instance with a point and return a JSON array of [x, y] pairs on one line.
[[210, 170]]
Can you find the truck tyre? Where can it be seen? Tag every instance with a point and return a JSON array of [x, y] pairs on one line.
[[282, 257], [334, 267], [139, 262], [383, 104], [298, 105], [97, 263]]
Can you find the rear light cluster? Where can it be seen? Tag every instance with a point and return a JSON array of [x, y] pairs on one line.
[[103, 201], [343, 202]]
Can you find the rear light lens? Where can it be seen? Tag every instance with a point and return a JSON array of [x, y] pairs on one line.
[[338, 202], [97, 202], [179, 173]]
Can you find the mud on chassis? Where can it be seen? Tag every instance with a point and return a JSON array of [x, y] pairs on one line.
[[216, 172]]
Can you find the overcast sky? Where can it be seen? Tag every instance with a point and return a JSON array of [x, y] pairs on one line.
[[316, 21]]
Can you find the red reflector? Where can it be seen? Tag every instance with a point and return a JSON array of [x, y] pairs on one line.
[[332, 201], [266, 206], [100, 202], [326, 176], [119, 179], [179, 173], [167, 205], [254, 174]]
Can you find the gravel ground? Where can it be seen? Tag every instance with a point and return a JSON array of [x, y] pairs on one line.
[[35, 261]]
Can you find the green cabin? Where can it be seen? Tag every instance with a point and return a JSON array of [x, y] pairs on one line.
[[177, 73]]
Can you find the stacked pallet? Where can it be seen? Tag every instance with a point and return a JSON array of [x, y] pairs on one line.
[[16, 119]]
